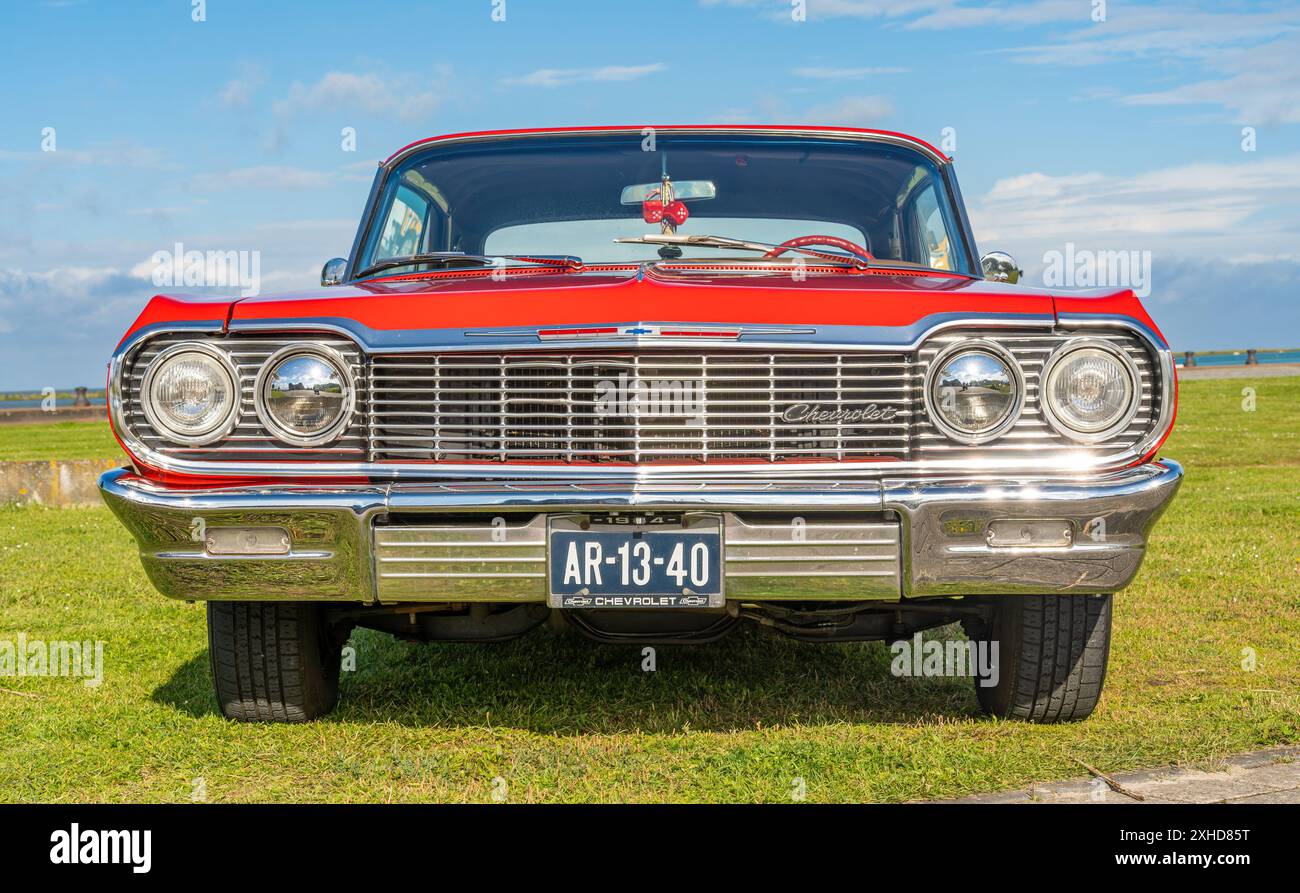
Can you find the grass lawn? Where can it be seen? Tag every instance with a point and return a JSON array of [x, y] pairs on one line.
[[38, 441], [558, 718]]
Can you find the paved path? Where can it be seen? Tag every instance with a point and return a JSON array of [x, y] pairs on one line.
[[1264, 370], [1264, 776]]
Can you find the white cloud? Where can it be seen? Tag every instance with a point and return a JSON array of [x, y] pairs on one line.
[[92, 156], [780, 10], [408, 96], [1165, 32], [954, 15], [1261, 85], [1249, 52], [852, 111], [1220, 213], [928, 14], [59, 325], [564, 77], [67, 301], [277, 177], [238, 92], [843, 74]]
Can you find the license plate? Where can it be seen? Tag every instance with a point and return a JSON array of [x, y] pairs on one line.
[[635, 565]]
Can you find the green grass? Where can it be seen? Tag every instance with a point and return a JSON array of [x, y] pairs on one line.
[[559, 718], [57, 440]]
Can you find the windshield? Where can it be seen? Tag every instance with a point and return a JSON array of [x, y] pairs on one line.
[[575, 194]]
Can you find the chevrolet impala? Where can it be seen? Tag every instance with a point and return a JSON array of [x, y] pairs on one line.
[[649, 384]]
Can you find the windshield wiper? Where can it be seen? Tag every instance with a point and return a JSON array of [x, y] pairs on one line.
[[459, 258], [702, 241]]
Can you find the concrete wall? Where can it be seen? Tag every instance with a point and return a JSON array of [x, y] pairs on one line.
[[63, 414], [56, 483]]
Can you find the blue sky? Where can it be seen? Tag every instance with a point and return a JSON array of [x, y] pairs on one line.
[[225, 134]]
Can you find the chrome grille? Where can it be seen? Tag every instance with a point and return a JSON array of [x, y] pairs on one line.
[[1032, 434], [249, 441], [462, 558], [819, 557], [637, 407], [540, 407]]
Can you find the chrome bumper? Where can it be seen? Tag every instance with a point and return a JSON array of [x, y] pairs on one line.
[[883, 539]]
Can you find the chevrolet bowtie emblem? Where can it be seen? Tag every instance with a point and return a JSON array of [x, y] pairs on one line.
[[642, 331]]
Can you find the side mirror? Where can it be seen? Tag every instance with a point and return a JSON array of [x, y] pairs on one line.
[[332, 272], [1000, 267]]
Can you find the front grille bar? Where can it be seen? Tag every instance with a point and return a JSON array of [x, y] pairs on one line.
[[728, 406]]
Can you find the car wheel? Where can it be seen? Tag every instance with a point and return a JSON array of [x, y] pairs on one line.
[[1051, 652], [273, 661]]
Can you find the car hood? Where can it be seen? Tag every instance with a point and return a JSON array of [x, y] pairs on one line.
[[880, 306], [635, 295]]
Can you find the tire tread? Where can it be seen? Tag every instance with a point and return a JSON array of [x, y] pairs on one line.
[[1053, 656], [270, 661]]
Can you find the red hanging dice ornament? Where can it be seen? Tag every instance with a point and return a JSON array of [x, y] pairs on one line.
[[653, 210]]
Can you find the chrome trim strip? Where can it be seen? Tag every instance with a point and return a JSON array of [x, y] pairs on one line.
[[719, 130], [830, 338], [651, 339]]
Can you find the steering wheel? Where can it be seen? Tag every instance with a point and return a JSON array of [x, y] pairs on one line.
[[829, 241]]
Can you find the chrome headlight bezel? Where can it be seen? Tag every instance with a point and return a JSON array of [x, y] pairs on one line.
[[224, 426], [288, 435], [1058, 424], [1002, 355]]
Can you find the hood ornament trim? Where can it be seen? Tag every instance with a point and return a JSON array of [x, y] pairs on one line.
[[638, 331]]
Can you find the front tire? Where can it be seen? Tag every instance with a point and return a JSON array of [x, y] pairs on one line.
[[273, 661], [1052, 653]]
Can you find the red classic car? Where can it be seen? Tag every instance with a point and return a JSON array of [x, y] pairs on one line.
[[650, 384]]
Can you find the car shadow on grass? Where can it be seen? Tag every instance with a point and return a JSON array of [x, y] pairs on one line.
[[189, 689], [563, 684]]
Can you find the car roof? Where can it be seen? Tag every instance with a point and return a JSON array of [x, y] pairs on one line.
[[794, 129]]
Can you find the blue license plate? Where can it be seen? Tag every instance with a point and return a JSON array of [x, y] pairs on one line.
[[636, 568]]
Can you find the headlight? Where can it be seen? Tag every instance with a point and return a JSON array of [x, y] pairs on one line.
[[305, 394], [974, 391], [189, 394], [1090, 391]]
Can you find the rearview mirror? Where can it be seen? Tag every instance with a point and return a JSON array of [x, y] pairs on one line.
[[684, 190]]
